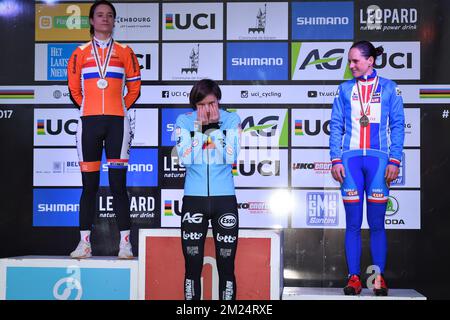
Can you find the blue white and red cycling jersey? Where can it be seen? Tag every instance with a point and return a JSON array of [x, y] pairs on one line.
[[365, 152], [385, 112]]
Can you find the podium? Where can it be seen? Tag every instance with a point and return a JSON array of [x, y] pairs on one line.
[[302, 293], [258, 265], [159, 273], [62, 278]]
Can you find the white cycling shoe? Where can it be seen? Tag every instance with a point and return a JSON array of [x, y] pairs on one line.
[[125, 251], [82, 251]]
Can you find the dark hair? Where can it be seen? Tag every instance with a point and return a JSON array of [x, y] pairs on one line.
[[367, 49], [92, 11], [202, 89]]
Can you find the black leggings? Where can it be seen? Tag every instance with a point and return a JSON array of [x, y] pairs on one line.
[[196, 213], [114, 133]]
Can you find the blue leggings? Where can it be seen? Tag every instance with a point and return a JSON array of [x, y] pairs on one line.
[[365, 173]]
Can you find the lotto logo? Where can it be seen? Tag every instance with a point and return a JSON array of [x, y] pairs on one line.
[[226, 239], [192, 235]]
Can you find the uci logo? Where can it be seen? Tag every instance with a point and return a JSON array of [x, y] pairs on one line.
[[398, 60], [48, 126], [314, 127], [200, 21], [265, 168], [146, 60], [263, 129], [228, 221]]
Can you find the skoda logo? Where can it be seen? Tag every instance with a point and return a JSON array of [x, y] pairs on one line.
[[57, 94], [392, 206], [228, 220]]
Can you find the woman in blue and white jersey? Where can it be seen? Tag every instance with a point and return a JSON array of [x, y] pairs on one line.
[[366, 145]]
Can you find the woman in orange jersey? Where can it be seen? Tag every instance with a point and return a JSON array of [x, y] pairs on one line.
[[97, 73]]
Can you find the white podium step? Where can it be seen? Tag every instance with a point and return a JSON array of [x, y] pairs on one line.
[[63, 278], [302, 293]]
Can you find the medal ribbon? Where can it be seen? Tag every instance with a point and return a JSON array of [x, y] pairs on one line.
[[102, 68], [365, 106]]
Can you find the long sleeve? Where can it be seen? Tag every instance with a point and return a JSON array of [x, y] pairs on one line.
[[133, 78], [189, 148], [233, 140], [337, 125], [74, 78], [397, 126]]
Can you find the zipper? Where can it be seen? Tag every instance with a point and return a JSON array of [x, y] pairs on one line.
[[103, 91]]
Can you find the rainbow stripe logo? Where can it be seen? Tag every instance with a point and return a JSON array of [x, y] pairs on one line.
[[16, 94], [234, 171], [169, 21], [168, 208], [40, 127], [435, 93], [298, 127]]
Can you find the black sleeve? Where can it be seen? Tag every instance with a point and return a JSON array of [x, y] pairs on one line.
[[211, 126]]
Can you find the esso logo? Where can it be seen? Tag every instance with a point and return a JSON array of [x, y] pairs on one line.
[[228, 221]]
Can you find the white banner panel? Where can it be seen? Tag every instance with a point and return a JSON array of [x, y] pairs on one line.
[[145, 124], [56, 168], [310, 127], [264, 127], [254, 210], [257, 21], [311, 168], [55, 127], [193, 21], [171, 205], [232, 94], [136, 22], [147, 55], [262, 168], [192, 61], [325, 209], [399, 61]]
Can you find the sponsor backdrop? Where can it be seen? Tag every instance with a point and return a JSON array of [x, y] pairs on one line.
[[279, 64]]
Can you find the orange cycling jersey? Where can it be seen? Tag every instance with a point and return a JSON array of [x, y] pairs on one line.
[[83, 74]]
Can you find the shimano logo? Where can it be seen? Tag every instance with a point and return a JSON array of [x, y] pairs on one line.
[[140, 167], [192, 235], [135, 167], [58, 207], [257, 61], [314, 21]]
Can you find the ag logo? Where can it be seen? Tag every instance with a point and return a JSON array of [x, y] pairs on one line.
[[195, 218], [331, 60], [263, 128], [228, 220]]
